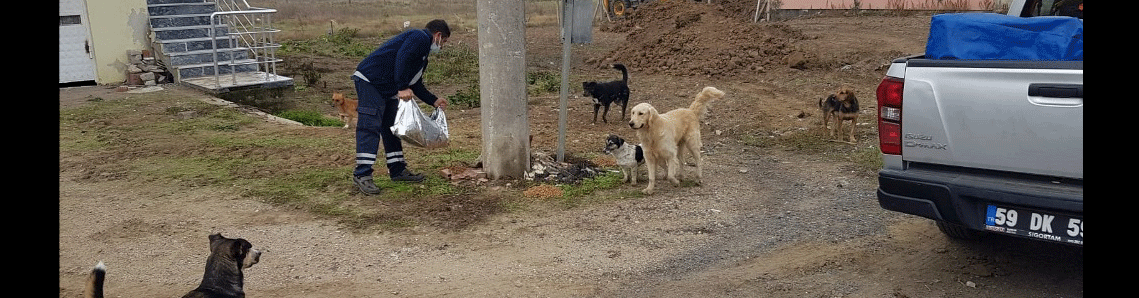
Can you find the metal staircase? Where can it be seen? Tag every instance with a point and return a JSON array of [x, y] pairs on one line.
[[216, 45]]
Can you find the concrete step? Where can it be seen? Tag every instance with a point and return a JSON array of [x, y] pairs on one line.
[[207, 69], [194, 44], [188, 8], [182, 37], [168, 21]]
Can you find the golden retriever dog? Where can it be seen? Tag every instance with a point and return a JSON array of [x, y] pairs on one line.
[[345, 108], [664, 137]]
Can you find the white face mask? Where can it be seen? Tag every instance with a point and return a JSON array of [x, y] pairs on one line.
[[434, 47]]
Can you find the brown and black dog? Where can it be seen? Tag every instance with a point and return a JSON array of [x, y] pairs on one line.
[[842, 106], [223, 277], [345, 108]]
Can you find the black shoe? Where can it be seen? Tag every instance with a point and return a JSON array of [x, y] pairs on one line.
[[365, 184], [407, 176]]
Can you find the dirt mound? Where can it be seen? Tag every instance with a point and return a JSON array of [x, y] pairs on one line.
[[686, 38]]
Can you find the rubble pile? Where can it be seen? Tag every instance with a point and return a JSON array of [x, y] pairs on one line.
[[145, 70], [544, 168]]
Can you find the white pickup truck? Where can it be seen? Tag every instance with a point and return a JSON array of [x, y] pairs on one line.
[[988, 145]]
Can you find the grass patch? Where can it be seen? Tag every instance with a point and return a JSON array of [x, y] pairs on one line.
[[209, 118], [342, 43], [136, 139], [230, 142], [807, 143], [816, 142], [307, 19], [432, 185], [301, 189], [543, 82], [587, 190], [99, 110], [867, 159], [455, 64], [310, 118]]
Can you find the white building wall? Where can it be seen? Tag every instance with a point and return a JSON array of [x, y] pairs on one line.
[[117, 26]]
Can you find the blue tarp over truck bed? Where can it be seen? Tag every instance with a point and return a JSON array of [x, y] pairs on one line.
[[990, 36]]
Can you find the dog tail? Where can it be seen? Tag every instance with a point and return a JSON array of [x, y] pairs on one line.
[[95, 281], [624, 72], [700, 105]]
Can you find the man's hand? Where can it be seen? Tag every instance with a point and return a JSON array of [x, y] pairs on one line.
[[441, 103], [405, 94]]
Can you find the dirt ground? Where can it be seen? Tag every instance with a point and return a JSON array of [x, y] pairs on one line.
[[768, 221]]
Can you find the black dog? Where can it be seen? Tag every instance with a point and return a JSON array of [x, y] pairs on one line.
[[605, 93], [223, 277]]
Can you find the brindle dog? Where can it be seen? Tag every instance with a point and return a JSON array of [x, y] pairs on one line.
[[843, 106], [223, 277]]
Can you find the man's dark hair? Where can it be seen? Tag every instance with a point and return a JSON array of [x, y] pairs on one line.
[[438, 25]]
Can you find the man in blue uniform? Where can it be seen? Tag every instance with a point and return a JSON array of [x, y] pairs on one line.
[[392, 73]]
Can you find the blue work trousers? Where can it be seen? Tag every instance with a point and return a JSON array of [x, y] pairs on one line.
[[377, 115]]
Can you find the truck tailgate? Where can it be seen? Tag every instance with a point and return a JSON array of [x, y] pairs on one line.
[[1014, 116]]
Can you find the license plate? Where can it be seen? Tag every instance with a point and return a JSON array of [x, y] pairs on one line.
[[1035, 224]]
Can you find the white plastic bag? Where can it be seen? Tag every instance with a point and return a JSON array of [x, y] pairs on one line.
[[417, 129]]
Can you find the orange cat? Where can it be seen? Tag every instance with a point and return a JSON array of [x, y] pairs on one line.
[[345, 108]]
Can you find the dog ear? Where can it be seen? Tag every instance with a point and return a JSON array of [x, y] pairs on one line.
[[240, 247]]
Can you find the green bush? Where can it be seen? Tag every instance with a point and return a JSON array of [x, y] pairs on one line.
[[455, 64], [543, 82], [469, 97], [343, 36]]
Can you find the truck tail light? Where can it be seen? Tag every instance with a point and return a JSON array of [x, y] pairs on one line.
[[890, 115]]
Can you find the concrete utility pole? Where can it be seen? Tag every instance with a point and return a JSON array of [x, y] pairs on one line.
[[502, 87]]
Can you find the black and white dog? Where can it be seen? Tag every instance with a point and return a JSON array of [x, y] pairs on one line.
[[606, 93], [628, 156], [223, 277]]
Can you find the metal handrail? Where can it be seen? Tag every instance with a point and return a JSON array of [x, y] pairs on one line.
[[251, 25]]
